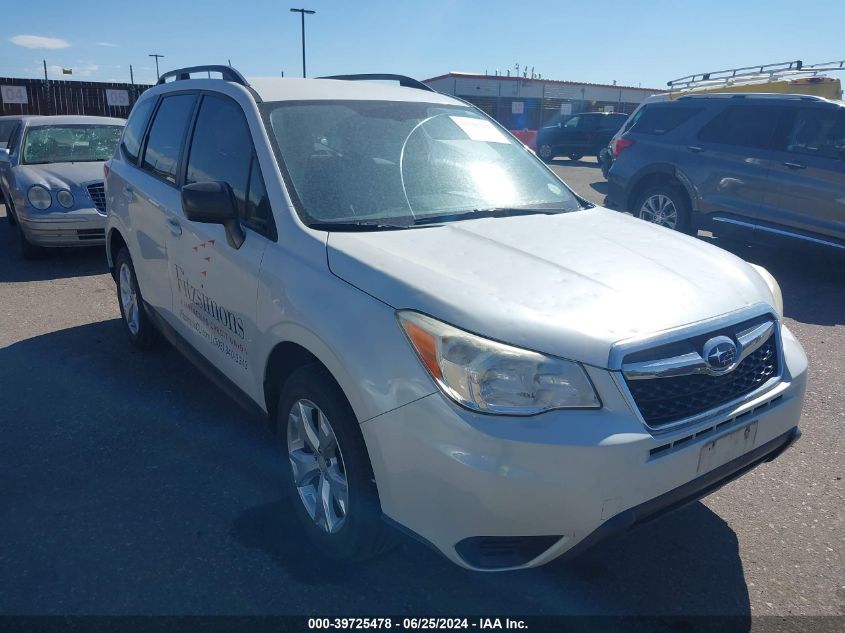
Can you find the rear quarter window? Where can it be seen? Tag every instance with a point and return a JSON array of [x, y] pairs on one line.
[[658, 120], [133, 133]]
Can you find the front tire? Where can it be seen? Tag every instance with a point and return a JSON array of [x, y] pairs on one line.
[[665, 205], [136, 322], [329, 476], [545, 153], [10, 214]]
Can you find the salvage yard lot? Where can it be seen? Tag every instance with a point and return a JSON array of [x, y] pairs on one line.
[[130, 485]]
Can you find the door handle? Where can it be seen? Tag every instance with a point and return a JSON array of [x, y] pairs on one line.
[[175, 227], [695, 148], [129, 192], [792, 165]]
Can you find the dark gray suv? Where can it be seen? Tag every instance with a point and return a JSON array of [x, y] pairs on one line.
[[758, 165]]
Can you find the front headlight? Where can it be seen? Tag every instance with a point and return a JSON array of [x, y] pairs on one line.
[[492, 377], [39, 197], [774, 287], [65, 198]]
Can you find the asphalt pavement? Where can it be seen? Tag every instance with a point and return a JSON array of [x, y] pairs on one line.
[[130, 485]]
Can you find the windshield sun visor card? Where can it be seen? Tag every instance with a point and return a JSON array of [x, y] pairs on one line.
[[479, 129]]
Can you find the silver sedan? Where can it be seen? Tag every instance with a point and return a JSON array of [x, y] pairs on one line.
[[51, 178]]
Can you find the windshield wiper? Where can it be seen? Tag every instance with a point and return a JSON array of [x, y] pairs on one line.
[[358, 225], [495, 212]]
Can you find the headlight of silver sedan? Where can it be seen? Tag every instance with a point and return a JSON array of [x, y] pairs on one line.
[[492, 377], [65, 198], [39, 197]]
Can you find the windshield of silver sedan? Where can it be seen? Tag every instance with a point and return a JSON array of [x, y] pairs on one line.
[[70, 143], [387, 164]]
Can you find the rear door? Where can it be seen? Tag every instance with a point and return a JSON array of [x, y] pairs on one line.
[[729, 159], [808, 172], [215, 284], [153, 198]]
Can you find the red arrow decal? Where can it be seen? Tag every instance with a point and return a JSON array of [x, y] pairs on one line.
[[196, 248], [212, 242], [208, 259], [204, 273]]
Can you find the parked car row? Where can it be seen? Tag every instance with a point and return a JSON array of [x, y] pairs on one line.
[[443, 336], [51, 178]]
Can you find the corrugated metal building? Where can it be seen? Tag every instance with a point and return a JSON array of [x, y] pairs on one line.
[[522, 103]]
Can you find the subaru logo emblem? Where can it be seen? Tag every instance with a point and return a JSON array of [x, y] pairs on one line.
[[719, 353]]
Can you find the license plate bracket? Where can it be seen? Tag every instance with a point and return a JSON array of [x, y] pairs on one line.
[[723, 449]]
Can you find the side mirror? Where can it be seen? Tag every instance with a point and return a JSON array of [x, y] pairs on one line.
[[214, 203]]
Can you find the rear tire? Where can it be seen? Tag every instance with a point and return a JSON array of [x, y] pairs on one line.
[[665, 205], [328, 475], [136, 322]]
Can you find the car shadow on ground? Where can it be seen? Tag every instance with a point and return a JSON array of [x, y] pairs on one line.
[[57, 263], [133, 486], [600, 187], [812, 280]]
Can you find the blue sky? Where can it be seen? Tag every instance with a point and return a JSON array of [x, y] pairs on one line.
[[643, 42]]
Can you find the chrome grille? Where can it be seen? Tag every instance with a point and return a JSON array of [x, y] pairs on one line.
[[97, 191], [679, 384]]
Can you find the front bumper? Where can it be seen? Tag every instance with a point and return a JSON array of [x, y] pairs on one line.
[[535, 488], [74, 227]]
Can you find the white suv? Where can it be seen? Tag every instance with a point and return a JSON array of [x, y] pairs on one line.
[[444, 336]]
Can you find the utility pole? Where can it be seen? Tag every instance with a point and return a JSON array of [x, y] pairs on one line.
[[156, 55], [302, 13], [131, 75], [44, 61]]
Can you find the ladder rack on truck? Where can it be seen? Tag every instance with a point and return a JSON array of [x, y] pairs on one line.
[[754, 74]]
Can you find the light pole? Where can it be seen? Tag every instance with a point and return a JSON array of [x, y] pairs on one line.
[[156, 55], [302, 13]]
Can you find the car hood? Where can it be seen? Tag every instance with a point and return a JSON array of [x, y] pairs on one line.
[[59, 175], [570, 285]]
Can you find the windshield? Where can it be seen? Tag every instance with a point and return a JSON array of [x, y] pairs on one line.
[[70, 143], [402, 163]]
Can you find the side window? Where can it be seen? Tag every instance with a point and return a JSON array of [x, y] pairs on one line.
[[221, 150], [257, 214], [659, 120], [164, 145], [612, 122], [590, 123], [133, 133], [573, 122], [746, 126], [818, 132]]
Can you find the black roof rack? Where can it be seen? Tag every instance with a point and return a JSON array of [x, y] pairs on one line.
[[405, 82], [228, 73]]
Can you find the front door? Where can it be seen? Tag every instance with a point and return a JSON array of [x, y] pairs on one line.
[[215, 284]]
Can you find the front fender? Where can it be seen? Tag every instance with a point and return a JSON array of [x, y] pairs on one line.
[[356, 336]]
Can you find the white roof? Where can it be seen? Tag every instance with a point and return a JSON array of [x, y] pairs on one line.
[[74, 119], [293, 89]]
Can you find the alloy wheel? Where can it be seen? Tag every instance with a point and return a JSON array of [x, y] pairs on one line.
[[660, 209], [129, 300], [319, 472]]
